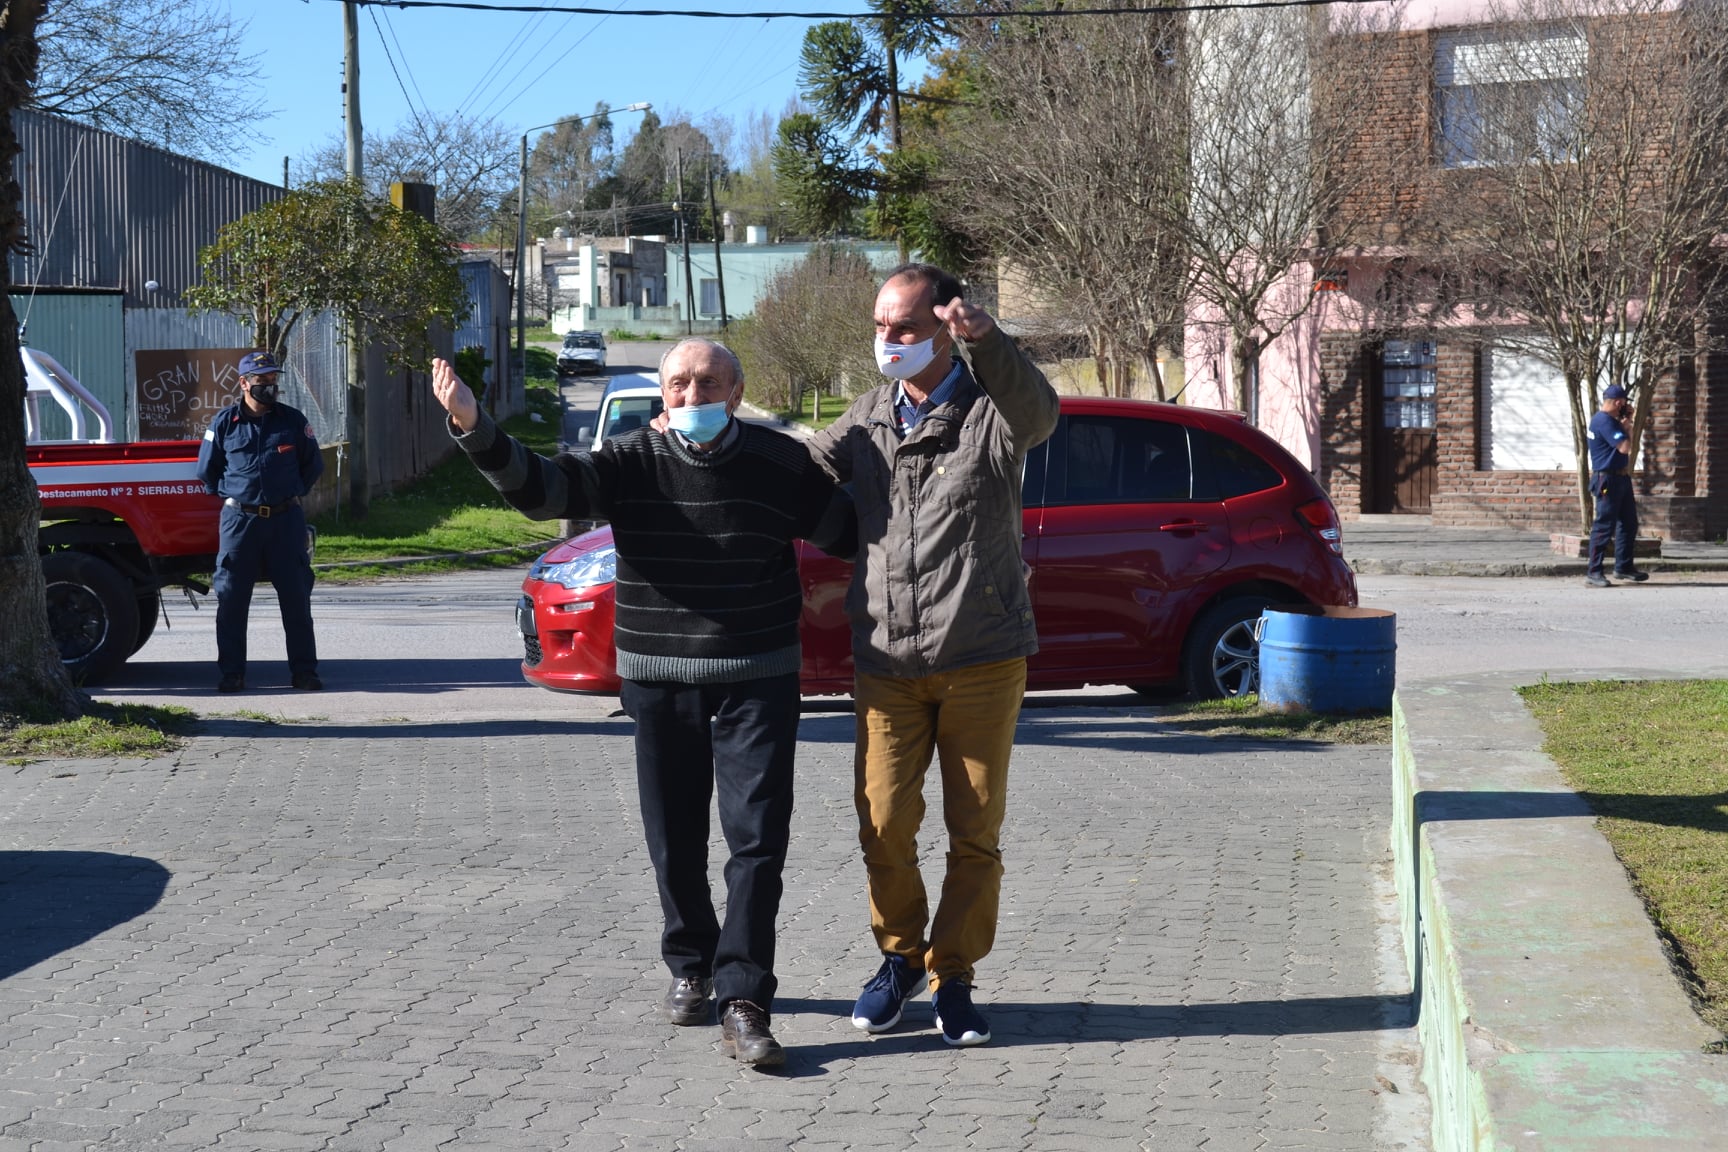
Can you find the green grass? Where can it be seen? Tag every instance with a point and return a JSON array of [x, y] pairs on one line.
[[103, 730], [1652, 759], [450, 509], [829, 415], [1241, 716]]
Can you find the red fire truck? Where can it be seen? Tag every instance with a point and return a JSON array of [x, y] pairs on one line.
[[120, 522]]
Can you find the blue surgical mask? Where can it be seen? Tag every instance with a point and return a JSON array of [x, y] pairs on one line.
[[700, 422]]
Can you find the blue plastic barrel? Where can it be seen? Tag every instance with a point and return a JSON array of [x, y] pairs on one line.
[[1323, 659]]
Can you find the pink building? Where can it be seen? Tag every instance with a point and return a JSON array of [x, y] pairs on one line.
[[1444, 422]]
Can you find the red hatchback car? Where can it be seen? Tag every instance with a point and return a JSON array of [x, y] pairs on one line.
[[1154, 536]]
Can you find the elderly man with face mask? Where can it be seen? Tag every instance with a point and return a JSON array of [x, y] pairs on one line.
[[260, 456], [708, 602], [941, 627]]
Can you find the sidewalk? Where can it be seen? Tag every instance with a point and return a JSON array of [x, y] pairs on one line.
[[354, 936], [1413, 546]]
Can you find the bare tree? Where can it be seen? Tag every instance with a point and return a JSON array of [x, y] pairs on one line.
[[812, 328], [33, 681], [1581, 192], [169, 72], [1069, 165], [1281, 171], [472, 164]]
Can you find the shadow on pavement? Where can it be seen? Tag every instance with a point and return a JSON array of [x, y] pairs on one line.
[[1020, 1025], [171, 678], [1144, 734], [254, 727], [1704, 811], [53, 901]]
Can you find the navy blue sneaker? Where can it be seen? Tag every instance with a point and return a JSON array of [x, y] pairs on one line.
[[878, 1007], [962, 1025]]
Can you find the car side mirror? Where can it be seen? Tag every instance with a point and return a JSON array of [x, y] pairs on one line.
[[584, 437]]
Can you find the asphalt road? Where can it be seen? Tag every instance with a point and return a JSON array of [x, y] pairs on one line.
[[446, 646]]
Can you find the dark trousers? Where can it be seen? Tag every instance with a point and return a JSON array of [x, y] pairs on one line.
[[740, 737], [254, 547], [1616, 518]]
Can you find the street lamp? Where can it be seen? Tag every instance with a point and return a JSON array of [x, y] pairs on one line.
[[522, 226]]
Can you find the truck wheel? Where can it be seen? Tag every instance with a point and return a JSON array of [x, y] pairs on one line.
[[92, 613], [149, 611], [1222, 658]]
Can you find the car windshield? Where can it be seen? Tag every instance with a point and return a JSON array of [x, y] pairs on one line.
[[628, 413], [584, 340]]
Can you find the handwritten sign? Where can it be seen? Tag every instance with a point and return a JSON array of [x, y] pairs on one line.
[[180, 389]]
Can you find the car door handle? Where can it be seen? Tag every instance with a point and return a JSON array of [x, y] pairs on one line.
[[1185, 526]]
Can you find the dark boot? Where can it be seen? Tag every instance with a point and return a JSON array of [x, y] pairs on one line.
[[744, 1030]]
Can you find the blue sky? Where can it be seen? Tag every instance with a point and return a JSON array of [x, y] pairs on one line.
[[519, 69]]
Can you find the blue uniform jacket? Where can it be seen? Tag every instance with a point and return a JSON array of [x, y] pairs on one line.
[[1606, 436], [267, 459]]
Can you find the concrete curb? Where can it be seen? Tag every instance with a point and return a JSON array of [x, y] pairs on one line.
[[1556, 567], [1549, 1016]]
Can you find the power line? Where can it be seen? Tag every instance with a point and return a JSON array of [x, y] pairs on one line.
[[557, 59], [698, 14], [412, 111], [406, 67], [496, 69]]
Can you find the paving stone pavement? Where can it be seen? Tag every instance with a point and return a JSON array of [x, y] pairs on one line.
[[402, 936]]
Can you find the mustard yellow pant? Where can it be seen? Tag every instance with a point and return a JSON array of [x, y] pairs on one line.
[[966, 719]]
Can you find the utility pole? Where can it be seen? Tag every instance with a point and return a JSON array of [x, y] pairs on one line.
[[521, 259], [714, 223], [359, 468], [684, 230]]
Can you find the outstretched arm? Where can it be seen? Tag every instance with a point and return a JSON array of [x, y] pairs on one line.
[[572, 486]]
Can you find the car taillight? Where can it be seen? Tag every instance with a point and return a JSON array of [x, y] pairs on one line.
[[1322, 520]]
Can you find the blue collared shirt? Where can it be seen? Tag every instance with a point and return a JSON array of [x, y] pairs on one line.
[[910, 413]]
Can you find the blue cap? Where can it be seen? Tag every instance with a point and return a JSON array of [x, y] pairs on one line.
[[1612, 392], [258, 364]]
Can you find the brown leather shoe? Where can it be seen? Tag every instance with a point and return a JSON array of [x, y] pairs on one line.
[[686, 1001], [744, 1029]]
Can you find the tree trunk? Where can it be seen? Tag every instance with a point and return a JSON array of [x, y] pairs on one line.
[[894, 115], [1577, 391], [1154, 373], [33, 681], [1244, 360]]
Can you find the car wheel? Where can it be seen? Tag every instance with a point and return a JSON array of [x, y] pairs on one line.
[[149, 611], [92, 613], [1222, 657]]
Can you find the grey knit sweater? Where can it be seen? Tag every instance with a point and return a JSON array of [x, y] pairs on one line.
[[707, 586]]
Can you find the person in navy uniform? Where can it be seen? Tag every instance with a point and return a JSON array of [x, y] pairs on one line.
[[1611, 484], [260, 456]]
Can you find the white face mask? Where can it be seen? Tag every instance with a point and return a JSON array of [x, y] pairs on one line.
[[904, 361]]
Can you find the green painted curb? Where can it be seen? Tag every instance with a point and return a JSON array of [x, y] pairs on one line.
[[1549, 1016]]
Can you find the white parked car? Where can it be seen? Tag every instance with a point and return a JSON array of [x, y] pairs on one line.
[[583, 353], [630, 401]]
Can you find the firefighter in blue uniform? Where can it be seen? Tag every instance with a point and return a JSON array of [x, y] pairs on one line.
[[260, 456], [1611, 483]]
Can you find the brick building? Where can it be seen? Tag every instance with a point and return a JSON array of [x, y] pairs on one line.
[[1451, 422]]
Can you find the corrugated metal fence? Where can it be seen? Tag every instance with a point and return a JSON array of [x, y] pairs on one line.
[[109, 216], [107, 212]]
